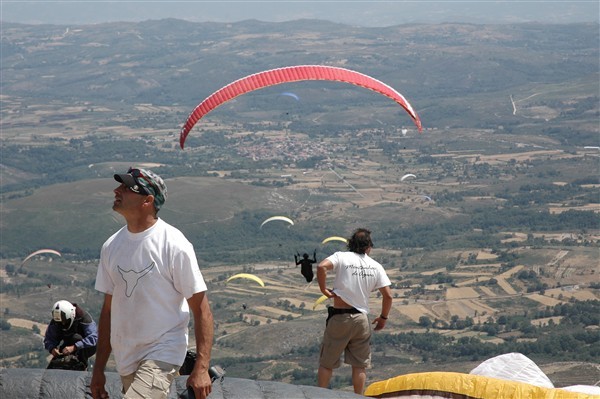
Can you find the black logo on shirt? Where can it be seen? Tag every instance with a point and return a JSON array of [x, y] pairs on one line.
[[362, 271], [132, 278]]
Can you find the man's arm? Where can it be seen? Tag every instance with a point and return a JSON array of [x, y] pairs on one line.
[[90, 336], [386, 306], [322, 270], [103, 350], [199, 379], [51, 339]]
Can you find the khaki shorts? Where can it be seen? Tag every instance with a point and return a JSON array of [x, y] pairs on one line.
[[348, 333], [151, 380]]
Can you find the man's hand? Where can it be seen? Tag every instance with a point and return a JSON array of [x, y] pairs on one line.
[[380, 321], [201, 383], [67, 350], [55, 352], [97, 385]]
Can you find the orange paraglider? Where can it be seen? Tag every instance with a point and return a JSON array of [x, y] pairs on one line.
[[291, 74]]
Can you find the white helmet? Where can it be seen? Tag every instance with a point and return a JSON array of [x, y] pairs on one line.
[[63, 312]]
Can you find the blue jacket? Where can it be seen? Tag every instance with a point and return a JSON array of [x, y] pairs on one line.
[[83, 333]]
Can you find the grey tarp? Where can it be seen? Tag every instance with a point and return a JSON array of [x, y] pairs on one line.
[[63, 384]]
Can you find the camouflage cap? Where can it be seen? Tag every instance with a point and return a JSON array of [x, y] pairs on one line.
[[145, 182]]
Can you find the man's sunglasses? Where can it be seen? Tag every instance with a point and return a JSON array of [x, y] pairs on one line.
[[138, 188]]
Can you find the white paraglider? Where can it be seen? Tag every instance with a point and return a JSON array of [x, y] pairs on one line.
[[282, 218]]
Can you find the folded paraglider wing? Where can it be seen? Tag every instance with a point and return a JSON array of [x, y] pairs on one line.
[[514, 367], [447, 385]]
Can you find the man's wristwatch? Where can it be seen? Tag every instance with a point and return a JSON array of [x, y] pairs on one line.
[[383, 317]]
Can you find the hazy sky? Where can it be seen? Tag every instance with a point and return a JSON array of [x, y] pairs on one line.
[[363, 13]]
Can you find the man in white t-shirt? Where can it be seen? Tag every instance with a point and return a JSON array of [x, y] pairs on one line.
[[347, 328], [151, 281]]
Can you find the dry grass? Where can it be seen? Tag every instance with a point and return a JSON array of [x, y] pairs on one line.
[[572, 292], [560, 209], [415, 311], [544, 300], [506, 286], [461, 293], [486, 255], [28, 324]]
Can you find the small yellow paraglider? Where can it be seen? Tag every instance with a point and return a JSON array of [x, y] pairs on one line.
[[319, 301], [247, 276], [334, 238]]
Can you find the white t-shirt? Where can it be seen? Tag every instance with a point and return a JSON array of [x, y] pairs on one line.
[[356, 276], [149, 275]]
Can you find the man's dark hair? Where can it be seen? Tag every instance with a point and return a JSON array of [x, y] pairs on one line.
[[360, 241]]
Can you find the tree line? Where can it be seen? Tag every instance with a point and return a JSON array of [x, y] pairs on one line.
[[574, 337]]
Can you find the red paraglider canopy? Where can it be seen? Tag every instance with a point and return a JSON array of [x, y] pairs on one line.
[[291, 74]]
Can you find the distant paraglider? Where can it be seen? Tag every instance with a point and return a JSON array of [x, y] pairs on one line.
[[247, 276], [306, 265], [334, 238], [291, 74], [290, 94], [408, 176], [282, 218], [319, 301], [38, 252]]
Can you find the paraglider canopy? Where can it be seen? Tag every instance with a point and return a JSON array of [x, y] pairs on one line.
[[291, 74], [247, 276], [319, 301], [282, 218], [334, 238], [408, 175], [441, 385], [290, 94], [38, 252]]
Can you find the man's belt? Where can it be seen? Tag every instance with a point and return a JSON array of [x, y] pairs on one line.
[[343, 310], [333, 311]]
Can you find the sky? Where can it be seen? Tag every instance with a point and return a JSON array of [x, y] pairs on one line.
[[373, 13]]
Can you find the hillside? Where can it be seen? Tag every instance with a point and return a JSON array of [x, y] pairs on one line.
[[492, 247], [455, 74]]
